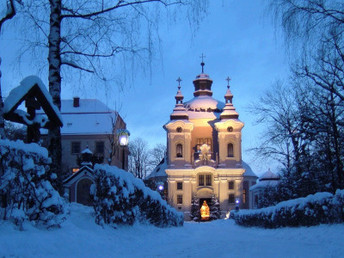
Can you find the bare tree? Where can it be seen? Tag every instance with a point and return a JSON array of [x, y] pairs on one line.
[[157, 154], [10, 12], [84, 35], [138, 158]]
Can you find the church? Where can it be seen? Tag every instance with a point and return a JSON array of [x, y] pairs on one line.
[[204, 160]]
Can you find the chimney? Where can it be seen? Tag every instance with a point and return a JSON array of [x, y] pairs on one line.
[[76, 102]]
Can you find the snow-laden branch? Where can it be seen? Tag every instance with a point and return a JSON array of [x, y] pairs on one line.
[[10, 12]]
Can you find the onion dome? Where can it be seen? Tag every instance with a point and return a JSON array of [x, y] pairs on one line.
[[179, 111], [202, 84], [229, 110]]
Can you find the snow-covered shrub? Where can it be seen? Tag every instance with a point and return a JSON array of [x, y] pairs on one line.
[[25, 189], [120, 198], [311, 210]]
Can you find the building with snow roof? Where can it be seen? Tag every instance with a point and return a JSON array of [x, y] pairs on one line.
[[204, 151], [267, 180], [90, 123]]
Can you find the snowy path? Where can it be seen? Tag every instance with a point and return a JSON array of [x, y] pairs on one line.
[[81, 237]]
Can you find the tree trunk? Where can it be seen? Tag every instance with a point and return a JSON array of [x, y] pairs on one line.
[[54, 59], [2, 121]]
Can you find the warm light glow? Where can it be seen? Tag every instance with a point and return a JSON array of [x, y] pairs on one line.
[[205, 212], [75, 170]]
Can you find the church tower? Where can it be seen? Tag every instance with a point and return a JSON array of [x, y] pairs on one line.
[[204, 151]]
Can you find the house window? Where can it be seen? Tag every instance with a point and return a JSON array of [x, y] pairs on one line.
[[208, 180], [230, 150], [201, 180], [231, 198], [179, 150], [76, 147], [100, 147], [231, 185], [179, 199], [179, 185]]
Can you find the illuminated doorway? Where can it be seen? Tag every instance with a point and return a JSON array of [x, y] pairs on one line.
[[204, 209]]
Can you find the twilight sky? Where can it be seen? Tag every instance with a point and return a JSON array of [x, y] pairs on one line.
[[238, 40]]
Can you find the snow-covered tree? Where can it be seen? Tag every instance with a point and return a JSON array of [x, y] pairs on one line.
[[215, 212], [195, 214], [7, 12], [86, 35]]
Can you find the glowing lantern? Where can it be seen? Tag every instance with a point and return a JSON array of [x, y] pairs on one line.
[[205, 212]]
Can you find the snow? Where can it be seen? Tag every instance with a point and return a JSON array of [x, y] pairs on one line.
[[91, 117], [79, 236], [204, 102], [269, 176], [25, 85], [31, 147]]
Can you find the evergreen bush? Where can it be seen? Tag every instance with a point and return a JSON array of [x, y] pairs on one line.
[[120, 198], [308, 211], [26, 192]]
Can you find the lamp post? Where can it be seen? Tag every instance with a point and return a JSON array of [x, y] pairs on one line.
[[123, 140], [237, 201]]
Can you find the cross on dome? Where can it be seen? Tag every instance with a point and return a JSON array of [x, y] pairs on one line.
[[202, 64], [179, 80], [228, 80]]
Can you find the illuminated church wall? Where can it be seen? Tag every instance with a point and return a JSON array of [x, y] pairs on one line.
[[204, 150]]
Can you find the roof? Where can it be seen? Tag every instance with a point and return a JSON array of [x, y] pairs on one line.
[[159, 170], [91, 117], [264, 184], [269, 176], [32, 87], [248, 170]]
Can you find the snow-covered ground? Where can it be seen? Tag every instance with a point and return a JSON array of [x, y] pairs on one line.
[[81, 237]]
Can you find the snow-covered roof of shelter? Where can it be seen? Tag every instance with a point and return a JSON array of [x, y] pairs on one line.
[[249, 171], [159, 170], [27, 85], [89, 118], [264, 184], [269, 176]]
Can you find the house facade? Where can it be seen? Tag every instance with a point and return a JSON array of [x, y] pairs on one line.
[[89, 123], [204, 151]]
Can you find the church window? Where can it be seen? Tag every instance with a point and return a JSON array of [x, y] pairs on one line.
[[204, 180], [179, 150], [179, 129], [201, 180], [179, 185], [231, 185], [231, 198], [76, 147], [208, 180], [201, 141], [230, 150], [179, 199], [244, 195], [230, 129]]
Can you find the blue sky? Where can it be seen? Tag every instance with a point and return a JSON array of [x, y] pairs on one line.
[[238, 40]]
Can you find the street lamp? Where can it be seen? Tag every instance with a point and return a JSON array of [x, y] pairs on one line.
[[237, 204], [123, 140]]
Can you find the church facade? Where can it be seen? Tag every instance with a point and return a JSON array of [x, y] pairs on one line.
[[204, 159]]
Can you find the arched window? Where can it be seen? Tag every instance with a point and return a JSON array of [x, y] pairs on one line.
[[179, 150], [230, 150], [179, 129]]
